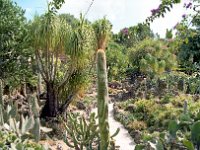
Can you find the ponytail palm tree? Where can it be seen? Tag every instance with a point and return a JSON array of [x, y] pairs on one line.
[[102, 30], [63, 55]]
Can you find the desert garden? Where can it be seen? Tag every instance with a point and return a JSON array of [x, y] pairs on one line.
[[69, 83]]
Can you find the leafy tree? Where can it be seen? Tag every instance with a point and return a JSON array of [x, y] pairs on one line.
[[132, 35], [15, 55], [189, 52], [186, 45], [62, 54], [11, 29]]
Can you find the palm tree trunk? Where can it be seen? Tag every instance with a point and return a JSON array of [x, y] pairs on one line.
[[51, 106]]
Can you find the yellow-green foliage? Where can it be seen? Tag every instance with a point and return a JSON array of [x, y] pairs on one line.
[[178, 101], [156, 114], [102, 30], [137, 125], [152, 56], [145, 106]]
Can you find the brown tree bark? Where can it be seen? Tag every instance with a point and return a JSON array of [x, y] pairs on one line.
[[51, 106]]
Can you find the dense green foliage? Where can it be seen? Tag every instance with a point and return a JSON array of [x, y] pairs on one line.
[[129, 37], [15, 54], [153, 118], [9, 140], [117, 61], [161, 108], [63, 53], [102, 29], [152, 57]]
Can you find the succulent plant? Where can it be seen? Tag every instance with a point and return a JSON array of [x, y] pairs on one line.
[[83, 134], [9, 140], [10, 120], [173, 128], [195, 134], [9, 112], [102, 99], [34, 113], [20, 125]]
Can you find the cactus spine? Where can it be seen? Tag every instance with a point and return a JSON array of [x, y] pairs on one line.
[[102, 99]]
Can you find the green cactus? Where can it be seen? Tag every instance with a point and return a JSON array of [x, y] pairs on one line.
[[83, 134], [9, 112], [10, 117], [173, 128], [26, 124], [102, 99], [1, 93], [34, 112], [19, 124], [195, 134]]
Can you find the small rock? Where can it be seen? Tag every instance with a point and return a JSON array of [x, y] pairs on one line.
[[80, 105], [130, 108], [136, 135]]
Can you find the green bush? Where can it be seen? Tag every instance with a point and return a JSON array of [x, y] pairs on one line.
[[117, 61], [137, 125], [152, 57]]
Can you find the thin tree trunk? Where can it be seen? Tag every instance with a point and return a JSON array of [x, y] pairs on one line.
[[63, 108], [51, 106], [39, 84], [24, 88]]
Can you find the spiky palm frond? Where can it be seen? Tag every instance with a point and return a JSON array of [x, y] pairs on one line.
[[102, 30]]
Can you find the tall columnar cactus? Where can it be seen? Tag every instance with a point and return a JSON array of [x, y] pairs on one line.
[[34, 108], [102, 99], [1, 93], [83, 134]]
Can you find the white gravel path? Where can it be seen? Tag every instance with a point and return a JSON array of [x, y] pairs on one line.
[[123, 139]]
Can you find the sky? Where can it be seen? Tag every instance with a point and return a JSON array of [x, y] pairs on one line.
[[121, 13]]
